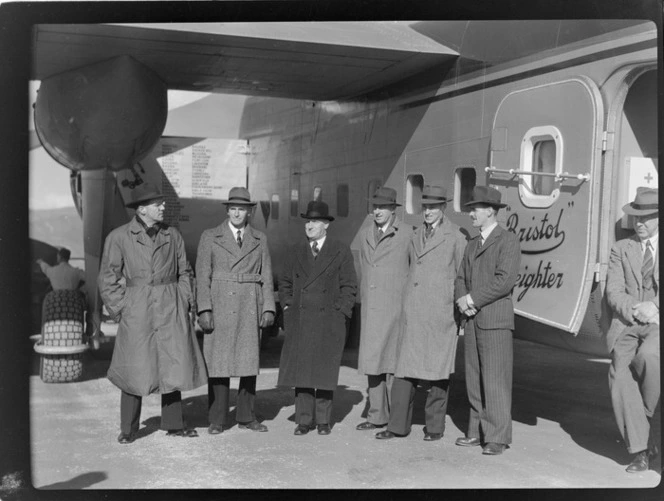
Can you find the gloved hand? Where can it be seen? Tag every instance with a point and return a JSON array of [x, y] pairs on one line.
[[267, 320], [206, 322]]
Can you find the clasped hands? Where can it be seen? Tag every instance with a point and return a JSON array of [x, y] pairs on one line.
[[645, 313], [465, 307], [206, 321]]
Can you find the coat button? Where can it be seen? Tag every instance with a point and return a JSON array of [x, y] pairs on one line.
[[415, 284], [419, 262]]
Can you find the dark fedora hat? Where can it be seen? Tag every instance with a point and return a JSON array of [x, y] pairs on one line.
[[317, 210], [143, 194], [645, 202], [434, 195], [384, 196], [486, 195], [238, 196]]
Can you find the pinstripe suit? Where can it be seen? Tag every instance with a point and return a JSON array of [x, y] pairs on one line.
[[488, 273]]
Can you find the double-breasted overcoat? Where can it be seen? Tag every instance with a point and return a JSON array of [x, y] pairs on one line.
[[427, 345], [146, 284], [384, 268], [319, 295], [236, 284]]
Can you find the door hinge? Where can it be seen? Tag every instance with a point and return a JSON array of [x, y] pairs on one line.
[[607, 140]]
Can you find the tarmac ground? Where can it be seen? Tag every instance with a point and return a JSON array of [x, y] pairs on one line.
[[565, 436]]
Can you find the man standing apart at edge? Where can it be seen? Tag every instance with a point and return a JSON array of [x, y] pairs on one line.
[[384, 267], [429, 323], [483, 291], [632, 291], [317, 292], [235, 297], [144, 281]]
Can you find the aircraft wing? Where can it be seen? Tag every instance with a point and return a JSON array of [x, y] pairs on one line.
[[317, 61]]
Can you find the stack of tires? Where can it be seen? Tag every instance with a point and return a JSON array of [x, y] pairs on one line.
[[61, 345]]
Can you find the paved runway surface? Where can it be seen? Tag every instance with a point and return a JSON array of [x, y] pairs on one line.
[[564, 437]]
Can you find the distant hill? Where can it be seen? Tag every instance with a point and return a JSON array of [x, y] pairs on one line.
[[59, 228]]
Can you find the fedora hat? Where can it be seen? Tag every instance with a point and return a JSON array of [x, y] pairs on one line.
[[384, 196], [317, 210], [645, 202], [434, 195], [486, 195], [142, 194], [238, 196]]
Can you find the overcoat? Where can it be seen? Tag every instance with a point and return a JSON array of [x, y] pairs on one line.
[[624, 283], [236, 284], [320, 294], [384, 268], [429, 330], [147, 286]]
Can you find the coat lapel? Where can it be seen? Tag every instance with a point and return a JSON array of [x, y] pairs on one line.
[[438, 238], [322, 261], [305, 257], [635, 259], [249, 243], [493, 238], [139, 234], [163, 238], [225, 239]]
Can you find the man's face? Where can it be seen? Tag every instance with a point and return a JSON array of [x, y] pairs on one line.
[[155, 210], [316, 228], [383, 213], [238, 215], [433, 212], [480, 214], [646, 226]]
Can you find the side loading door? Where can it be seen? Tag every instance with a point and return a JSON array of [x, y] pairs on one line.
[[546, 151]]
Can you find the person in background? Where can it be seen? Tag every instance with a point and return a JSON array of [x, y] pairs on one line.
[[235, 297], [144, 281], [62, 276], [483, 292], [632, 291], [317, 293], [384, 267], [429, 323]]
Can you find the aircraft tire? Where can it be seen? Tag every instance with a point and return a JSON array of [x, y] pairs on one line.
[[63, 327]]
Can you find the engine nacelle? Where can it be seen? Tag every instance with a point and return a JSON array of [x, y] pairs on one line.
[[105, 115]]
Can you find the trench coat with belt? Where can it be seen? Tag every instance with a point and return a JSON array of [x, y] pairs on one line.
[[236, 284], [384, 268], [146, 285], [318, 296], [427, 345]]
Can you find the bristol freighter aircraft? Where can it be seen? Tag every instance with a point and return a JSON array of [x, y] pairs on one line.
[[560, 116]]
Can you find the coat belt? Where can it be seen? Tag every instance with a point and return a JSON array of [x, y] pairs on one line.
[[136, 282], [237, 277]]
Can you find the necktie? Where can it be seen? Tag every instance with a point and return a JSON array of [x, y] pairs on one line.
[[314, 249], [647, 267], [239, 238], [428, 232]]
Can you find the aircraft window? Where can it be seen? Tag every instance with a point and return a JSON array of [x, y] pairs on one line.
[[414, 186], [318, 193], [541, 154], [465, 179], [373, 185], [342, 200], [294, 202], [274, 206]]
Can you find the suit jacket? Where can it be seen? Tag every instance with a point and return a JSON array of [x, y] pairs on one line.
[[624, 283], [488, 273], [320, 295]]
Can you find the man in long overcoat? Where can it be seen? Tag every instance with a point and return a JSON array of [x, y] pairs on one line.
[[235, 299], [429, 327], [632, 291], [144, 281], [317, 291], [384, 266], [483, 291]]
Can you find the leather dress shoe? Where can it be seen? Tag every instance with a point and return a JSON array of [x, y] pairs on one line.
[[324, 429], [253, 426], [387, 434], [126, 438], [641, 462], [303, 429], [215, 429], [430, 437], [368, 426], [468, 441], [183, 432], [493, 449]]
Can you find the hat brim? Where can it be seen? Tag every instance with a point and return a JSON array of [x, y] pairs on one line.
[[485, 202], [134, 204], [237, 202], [305, 216], [382, 201], [631, 211], [435, 202]]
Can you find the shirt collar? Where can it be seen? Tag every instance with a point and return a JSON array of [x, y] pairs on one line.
[[320, 242], [234, 230], [150, 230], [653, 243], [487, 231]]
